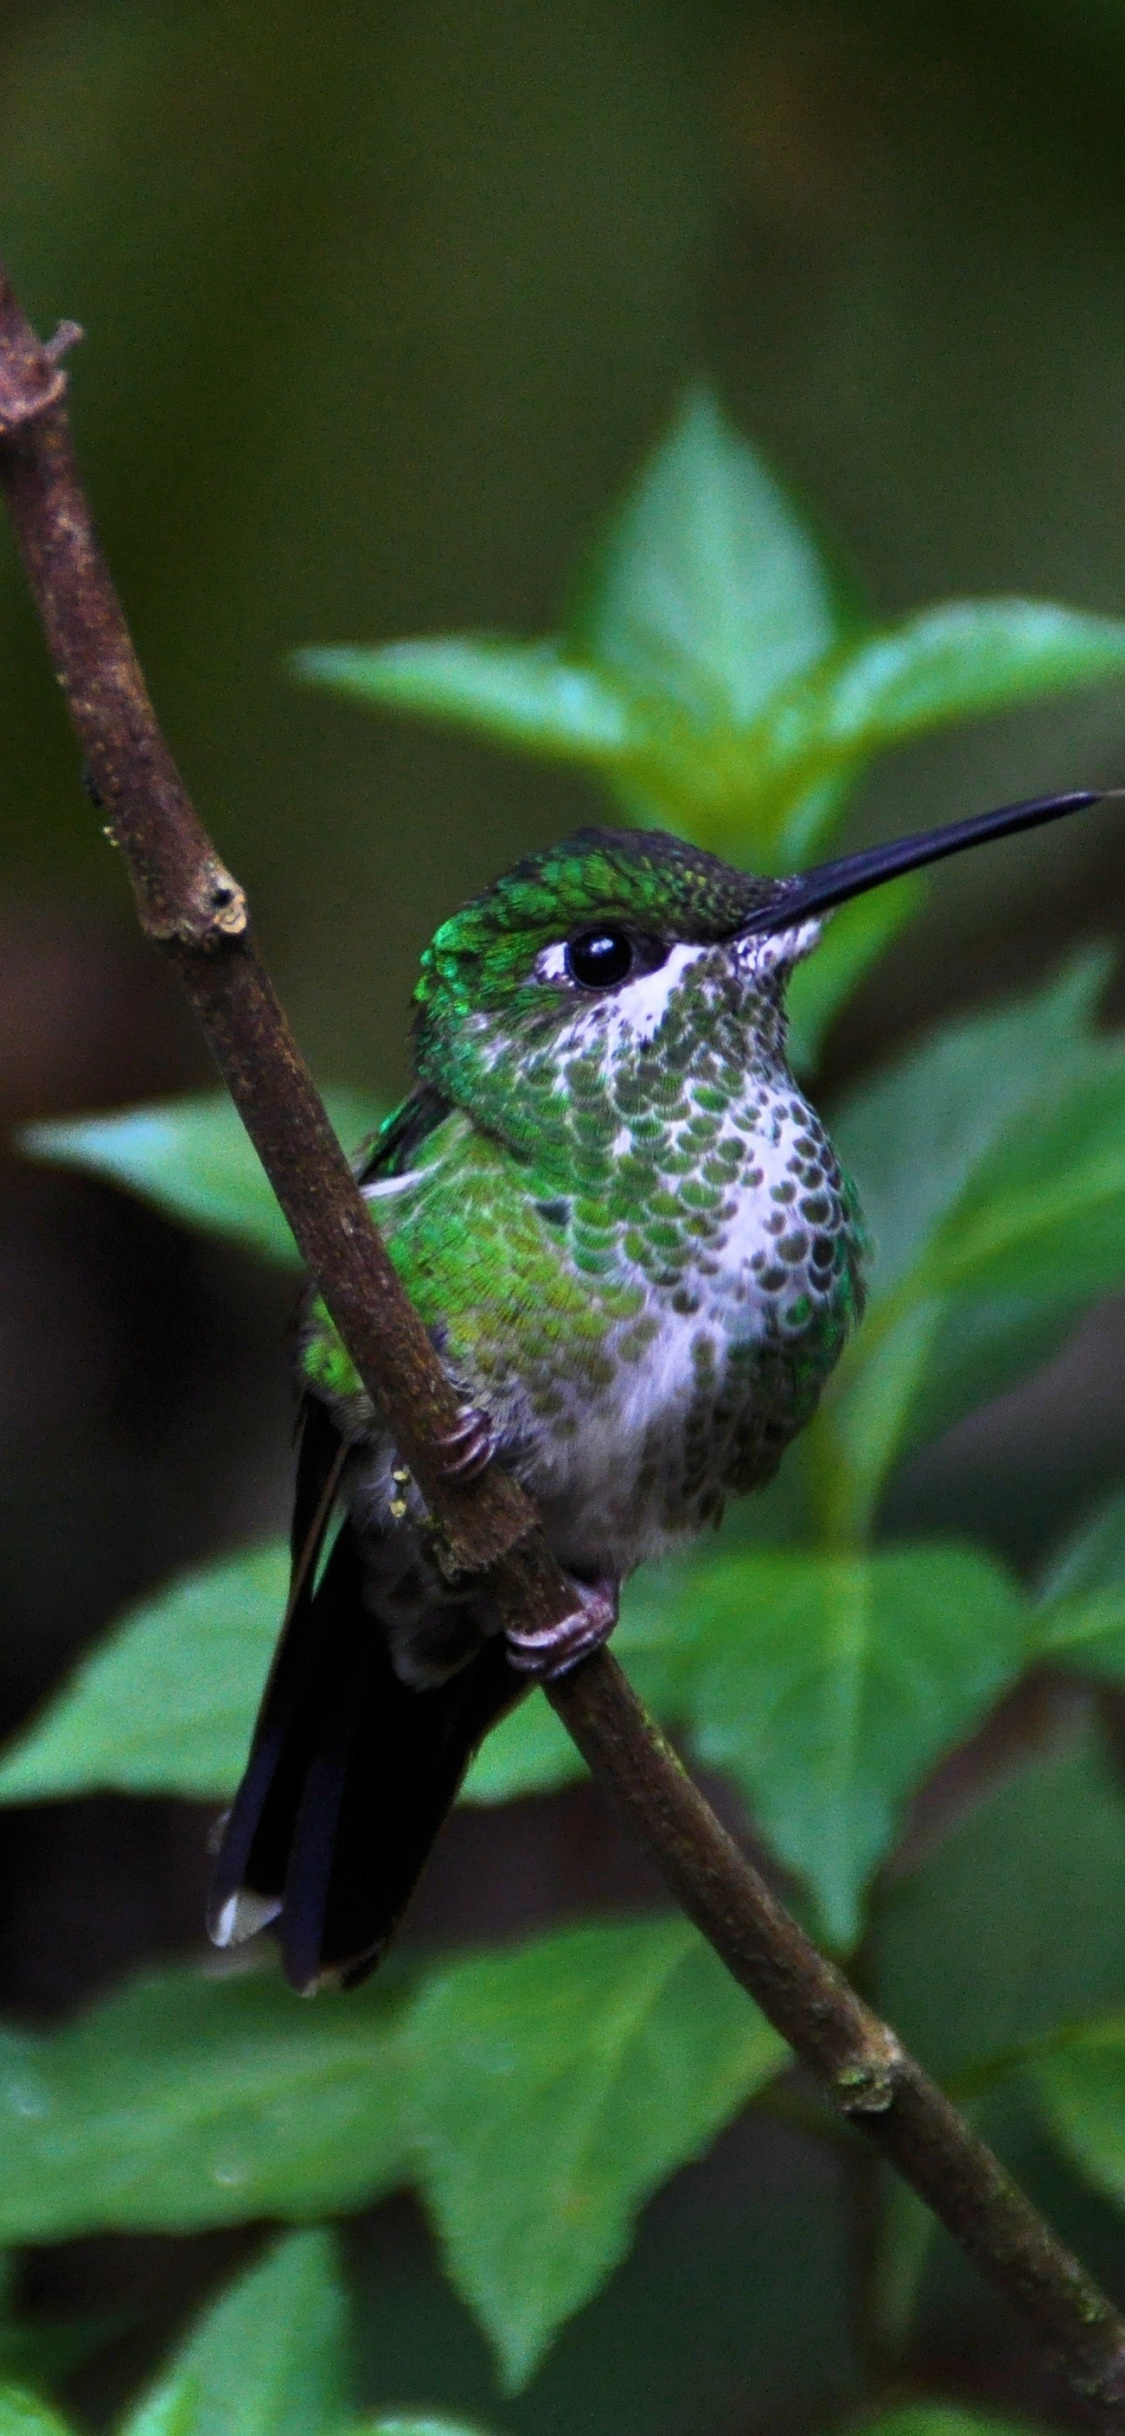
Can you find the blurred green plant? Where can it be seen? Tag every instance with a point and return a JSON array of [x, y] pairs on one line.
[[718, 678]]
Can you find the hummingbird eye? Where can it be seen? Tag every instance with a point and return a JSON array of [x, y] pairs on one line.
[[599, 959]]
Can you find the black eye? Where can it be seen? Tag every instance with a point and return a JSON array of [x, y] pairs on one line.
[[600, 958]]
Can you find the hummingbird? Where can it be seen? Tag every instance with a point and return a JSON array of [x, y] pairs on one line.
[[639, 1260]]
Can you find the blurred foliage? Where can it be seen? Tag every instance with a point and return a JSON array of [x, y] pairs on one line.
[[537, 2095]]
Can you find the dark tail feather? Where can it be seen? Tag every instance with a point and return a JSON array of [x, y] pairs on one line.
[[350, 1777]]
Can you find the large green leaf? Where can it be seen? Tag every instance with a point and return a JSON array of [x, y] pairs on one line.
[[708, 590], [1014, 1927], [268, 2359], [917, 1135], [554, 2088], [827, 1686], [955, 661], [991, 1166], [1081, 2086], [1079, 1615], [200, 2098], [25, 2415], [711, 670], [166, 1704], [193, 1159], [529, 695]]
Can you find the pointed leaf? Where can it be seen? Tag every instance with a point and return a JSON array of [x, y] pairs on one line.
[[1081, 2087], [828, 1686], [554, 2088], [955, 661], [268, 2358], [709, 590], [193, 1159], [167, 1702], [195, 2099], [529, 695], [25, 2415]]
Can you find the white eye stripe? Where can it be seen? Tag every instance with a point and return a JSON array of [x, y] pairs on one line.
[[550, 963]]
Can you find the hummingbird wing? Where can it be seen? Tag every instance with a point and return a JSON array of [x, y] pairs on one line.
[[352, 1770]]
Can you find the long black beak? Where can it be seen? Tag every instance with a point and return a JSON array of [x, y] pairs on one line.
[[828, 884]]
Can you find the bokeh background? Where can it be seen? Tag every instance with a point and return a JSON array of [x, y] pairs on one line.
[[382, 305]]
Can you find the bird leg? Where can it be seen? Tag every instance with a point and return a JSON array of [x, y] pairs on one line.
[[467, 1449], [554, 1650]]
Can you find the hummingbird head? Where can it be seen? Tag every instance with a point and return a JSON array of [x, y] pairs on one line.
[[589, 943], [629, 956]]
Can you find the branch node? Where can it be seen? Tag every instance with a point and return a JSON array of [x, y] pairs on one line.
[[867, 2085], [69, 334], [29, 390], [207, 913]]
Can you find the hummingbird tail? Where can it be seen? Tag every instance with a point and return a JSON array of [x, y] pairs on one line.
[[350, 1777]]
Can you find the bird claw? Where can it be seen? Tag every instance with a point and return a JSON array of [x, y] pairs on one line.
[[467, 1449], [553, 1651]]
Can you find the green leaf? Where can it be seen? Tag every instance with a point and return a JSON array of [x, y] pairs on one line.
[[268, 2358], [193, 1159], [194, 2098], [529, 695], [1015, 1926], [855, 938], [427, 2425], [916, 1136], [828, 1686], [1081, 2087], [555, 2087], [167, 1702], [712, 671], [1079, 1617], [709, 590], [1092, 1557], [529, 1751], [956, 661], [25, 2415], [991, 1167], [943, 2419]]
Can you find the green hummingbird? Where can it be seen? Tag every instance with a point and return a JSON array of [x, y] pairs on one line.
[[639, 1260]]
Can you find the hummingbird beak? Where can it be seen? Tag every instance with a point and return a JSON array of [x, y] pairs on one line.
[[828, 884]]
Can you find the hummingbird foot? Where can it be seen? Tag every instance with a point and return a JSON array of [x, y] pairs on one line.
[[467, 1449], [555, 1650]]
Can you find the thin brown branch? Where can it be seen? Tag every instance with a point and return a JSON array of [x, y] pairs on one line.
[[190, 906]]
